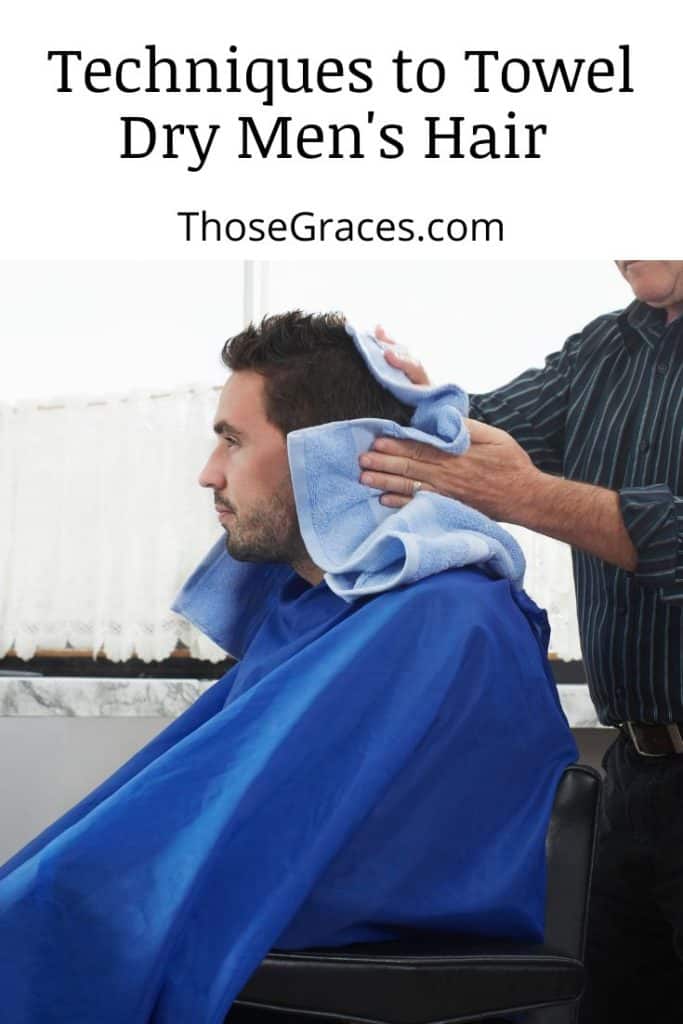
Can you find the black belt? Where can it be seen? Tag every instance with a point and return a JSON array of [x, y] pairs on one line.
[[655, 740]]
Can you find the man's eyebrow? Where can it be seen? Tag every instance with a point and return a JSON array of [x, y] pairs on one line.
[[223, 427]]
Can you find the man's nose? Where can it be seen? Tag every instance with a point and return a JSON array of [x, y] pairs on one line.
[[213, 474]]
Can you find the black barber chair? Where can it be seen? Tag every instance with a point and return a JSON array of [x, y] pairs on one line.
[[452, 979]]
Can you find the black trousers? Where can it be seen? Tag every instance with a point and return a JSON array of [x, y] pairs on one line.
[[635, 927]]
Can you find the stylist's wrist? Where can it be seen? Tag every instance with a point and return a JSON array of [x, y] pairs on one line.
[[535, 495]]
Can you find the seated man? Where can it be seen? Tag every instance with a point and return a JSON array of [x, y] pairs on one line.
[[376, 763]]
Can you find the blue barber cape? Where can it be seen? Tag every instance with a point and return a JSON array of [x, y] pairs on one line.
[[368, 769]]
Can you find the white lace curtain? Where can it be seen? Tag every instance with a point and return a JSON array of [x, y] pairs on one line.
[[101, 521], [549, 580]]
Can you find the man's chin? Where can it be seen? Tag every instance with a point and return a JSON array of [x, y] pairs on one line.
[[243, 554], [235, 551], [651, 281]]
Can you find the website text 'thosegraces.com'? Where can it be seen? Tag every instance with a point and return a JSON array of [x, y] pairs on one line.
[[307, 226]]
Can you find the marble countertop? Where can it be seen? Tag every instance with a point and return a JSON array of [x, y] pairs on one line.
[[82, 697], [97, 697]]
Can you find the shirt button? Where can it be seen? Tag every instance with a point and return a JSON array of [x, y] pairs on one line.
[[662, 367], [618, 691], [621, 609], [644, 446]]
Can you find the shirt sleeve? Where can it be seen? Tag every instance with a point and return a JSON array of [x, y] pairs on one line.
[[533, 407], [653, 517]]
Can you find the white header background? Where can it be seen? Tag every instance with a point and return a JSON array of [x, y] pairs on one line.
[[608, 182]]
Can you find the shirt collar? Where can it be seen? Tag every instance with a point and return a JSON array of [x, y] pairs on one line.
[[641, 323]]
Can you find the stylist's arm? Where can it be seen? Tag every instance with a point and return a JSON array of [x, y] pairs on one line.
[[497, 477]]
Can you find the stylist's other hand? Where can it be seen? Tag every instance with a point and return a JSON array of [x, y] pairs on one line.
[[495, 475], [402, 360]]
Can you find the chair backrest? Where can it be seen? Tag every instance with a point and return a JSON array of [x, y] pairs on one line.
[[570, 847]]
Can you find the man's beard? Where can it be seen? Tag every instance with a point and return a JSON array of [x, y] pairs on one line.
[[269, 533]]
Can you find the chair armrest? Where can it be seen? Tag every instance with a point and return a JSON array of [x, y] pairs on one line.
[[417, 982]]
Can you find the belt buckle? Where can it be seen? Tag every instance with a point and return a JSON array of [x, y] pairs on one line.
[[674, 735], [676, 738], [634, 740]]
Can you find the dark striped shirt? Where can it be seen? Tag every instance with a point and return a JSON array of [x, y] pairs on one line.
[[608, 409]]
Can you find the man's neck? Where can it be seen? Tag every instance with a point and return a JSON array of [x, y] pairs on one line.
[[673, 312], [300, 560], [308, 571]]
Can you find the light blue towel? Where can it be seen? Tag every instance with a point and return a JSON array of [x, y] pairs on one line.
[[362, 546]]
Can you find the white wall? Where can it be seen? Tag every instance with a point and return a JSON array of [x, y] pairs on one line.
[[102, 327], [98, 327], [478, 324]]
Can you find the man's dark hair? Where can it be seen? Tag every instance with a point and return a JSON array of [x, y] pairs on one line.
[[313, 372]]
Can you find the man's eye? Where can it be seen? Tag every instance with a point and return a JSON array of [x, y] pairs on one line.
[[230, 440]]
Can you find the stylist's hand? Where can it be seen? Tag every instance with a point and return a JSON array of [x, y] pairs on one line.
[[414, 371], [495, 476]]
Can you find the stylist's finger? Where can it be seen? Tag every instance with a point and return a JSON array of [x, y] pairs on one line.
[[394, 500], [394, 465], [414, 371], [407, 486], [382, 336], [402, 360], [413, 450], [484, 433]]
